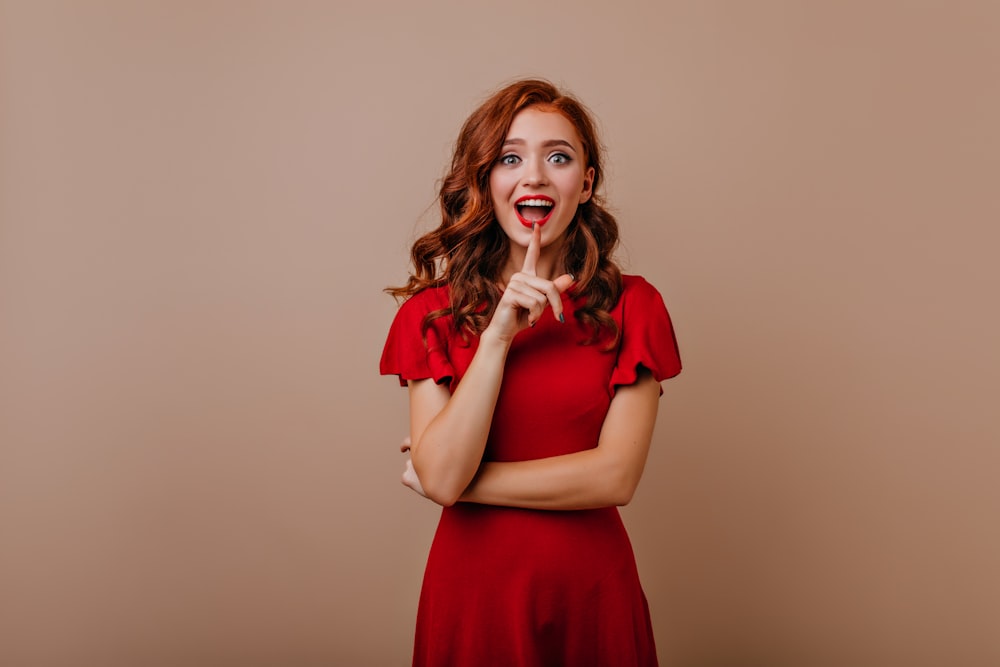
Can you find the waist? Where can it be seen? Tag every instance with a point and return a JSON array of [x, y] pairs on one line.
[[498, 525], [538, 544]]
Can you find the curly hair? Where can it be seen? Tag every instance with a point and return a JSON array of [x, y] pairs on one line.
[[469, 249]]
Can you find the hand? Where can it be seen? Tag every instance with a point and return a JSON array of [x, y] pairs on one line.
[[526, 295], [410, 478]]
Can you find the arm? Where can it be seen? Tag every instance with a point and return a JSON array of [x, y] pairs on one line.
[[449, 431], [601, 477]]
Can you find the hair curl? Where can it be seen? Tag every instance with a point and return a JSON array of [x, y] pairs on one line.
[[469, 250]]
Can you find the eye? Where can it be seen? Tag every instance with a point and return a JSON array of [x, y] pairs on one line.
[[509, 160], [559, 158]]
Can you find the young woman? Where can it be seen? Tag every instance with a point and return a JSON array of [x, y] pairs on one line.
[[533, 368]]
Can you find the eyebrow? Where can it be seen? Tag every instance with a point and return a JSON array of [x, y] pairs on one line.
[[545, 144]]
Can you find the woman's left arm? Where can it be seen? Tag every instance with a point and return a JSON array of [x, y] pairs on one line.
[[601, 477]]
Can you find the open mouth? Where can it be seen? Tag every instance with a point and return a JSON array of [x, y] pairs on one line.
[[534, 209]]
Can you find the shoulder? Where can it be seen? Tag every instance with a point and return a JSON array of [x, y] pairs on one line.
[[647, 334], [636, 289], [409, 319], [640, 305], [413, 351]]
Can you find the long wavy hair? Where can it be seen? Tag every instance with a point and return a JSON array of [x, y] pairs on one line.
[[469, 249]]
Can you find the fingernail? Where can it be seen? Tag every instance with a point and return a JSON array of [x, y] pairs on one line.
[[531, 324], [533, 226], [562, 318]]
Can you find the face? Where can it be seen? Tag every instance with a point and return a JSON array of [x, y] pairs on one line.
[[541, 177]]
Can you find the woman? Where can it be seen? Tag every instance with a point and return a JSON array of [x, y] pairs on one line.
[[533, 368]]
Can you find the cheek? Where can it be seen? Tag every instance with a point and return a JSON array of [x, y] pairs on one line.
[[499, 187], [572, 185]]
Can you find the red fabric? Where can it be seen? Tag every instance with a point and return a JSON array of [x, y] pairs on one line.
[[532, 588]]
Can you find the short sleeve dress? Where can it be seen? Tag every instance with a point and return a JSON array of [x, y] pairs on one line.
[[535, 588]]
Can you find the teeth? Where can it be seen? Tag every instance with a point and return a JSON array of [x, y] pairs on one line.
[[535, 202]]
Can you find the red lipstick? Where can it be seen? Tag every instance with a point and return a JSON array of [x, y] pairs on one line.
[[538, 207]]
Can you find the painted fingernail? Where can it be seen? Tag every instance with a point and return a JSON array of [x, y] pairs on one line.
[[562, 318]]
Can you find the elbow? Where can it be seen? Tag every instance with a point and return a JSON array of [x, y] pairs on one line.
[[622, 487], [622, 496], [438, 488], [443, 497]]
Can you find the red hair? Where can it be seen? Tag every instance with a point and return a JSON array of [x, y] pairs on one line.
[[469, 249]]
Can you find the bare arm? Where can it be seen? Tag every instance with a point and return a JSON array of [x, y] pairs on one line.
[[604, 476], [448, 431]]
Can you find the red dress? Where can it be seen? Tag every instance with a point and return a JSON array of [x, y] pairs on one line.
[[536, 588]]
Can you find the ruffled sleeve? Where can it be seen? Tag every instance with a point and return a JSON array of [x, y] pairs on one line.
[[410, 352], [647, 335]]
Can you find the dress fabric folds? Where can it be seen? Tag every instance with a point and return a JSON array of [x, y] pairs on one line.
[[535, 588]]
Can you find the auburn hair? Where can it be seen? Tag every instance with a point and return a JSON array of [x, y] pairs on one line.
[[469, 250]]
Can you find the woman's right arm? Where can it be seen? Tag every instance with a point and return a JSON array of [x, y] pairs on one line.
[[448, 432]]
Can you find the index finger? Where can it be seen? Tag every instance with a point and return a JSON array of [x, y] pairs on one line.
[[534, 250]]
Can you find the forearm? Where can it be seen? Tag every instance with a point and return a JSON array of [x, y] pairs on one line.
[[600, 477], [582, 480], [447, 450]]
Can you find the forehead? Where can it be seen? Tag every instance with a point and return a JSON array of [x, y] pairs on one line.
[[533, 124]]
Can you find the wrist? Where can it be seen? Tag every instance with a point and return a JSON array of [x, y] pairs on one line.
[[492, 338]]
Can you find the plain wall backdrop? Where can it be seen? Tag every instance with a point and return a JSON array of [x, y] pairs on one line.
[[200, 203]]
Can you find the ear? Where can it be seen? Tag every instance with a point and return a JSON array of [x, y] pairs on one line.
[[588, 186]]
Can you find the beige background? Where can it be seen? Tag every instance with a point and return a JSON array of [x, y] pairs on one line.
[[199, 205]]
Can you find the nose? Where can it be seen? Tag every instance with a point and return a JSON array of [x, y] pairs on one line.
[[534, 173]]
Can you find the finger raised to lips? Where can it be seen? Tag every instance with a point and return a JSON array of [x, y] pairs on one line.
[[534, 250]]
